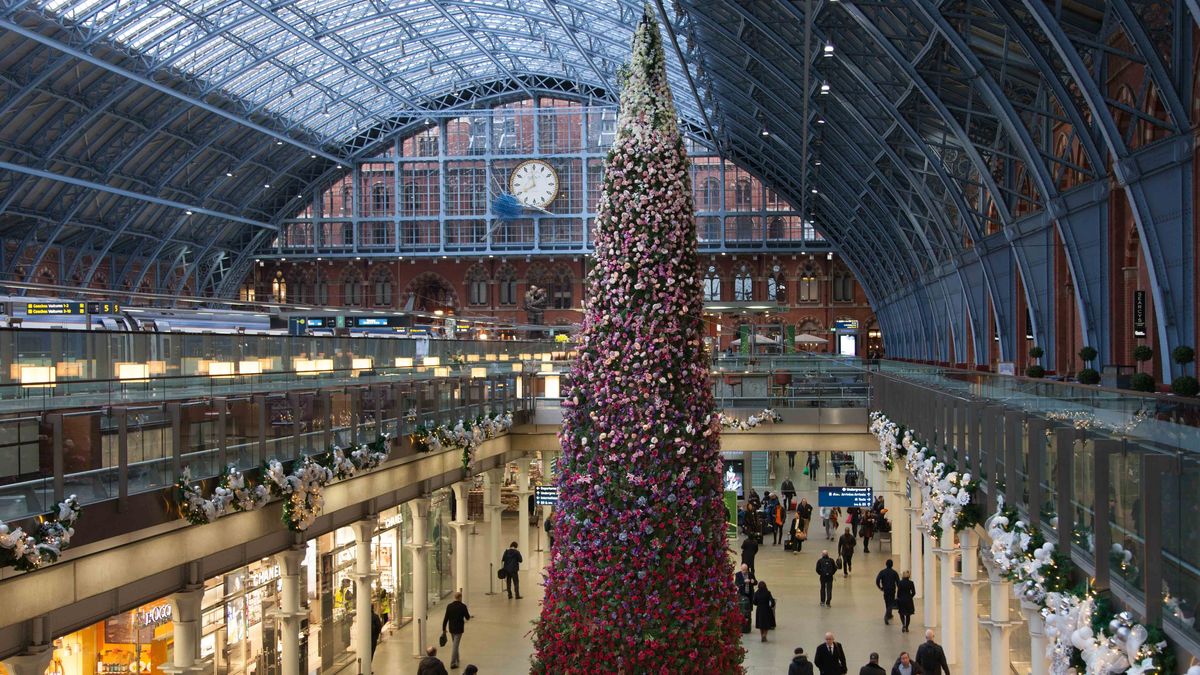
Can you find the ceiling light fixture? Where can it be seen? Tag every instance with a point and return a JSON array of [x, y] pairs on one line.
[[825, 87], [827, 50]]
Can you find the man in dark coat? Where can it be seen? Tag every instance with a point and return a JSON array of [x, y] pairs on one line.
[[804, 510], [830, 658], [800, 664], [431, 664], [511, 563], [456, 619], [906, 666], [826, 568], [788, 488], [872, 667], [887, 580], [749, 550], [906, 590], [931, 656], [745, 582], [376, 629]]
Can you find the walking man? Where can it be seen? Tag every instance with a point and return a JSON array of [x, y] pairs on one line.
[[888, 581], [872, 667], [456, 618], [846, 546], [788, 488], [804, 510], [791, 459], [826, 568], [431, 664], [931, 657], [749, 550], [830, 658], [511, 563]]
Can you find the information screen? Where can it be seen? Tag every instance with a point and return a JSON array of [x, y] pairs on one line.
[[54, 308], [545, 495], [103, 308], [845, 496]]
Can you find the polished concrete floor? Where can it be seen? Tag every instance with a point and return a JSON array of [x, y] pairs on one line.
[[497, 639]]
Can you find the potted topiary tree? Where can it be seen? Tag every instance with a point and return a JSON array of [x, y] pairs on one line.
[[1184, 385], [1035, 370], [1089, 375], [1142, 381], [1141, 354]]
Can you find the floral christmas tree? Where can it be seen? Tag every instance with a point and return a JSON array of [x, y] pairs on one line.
[[640, 581]]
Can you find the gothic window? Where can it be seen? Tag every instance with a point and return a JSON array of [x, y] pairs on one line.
[[777, 286], [279, 288], [710, 198], [506, 280], [810, 290], [743, 285], [477, 286], [742, 194], [843, 286], [381, 284], [561, 289], [352, 289], [712, 285]]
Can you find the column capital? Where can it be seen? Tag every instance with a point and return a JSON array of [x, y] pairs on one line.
[[34, 661], [289, 561], [420, 506], [461, 525], [364, 529], [185, 604]]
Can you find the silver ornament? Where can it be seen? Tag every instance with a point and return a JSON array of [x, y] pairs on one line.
[[1123, 633]]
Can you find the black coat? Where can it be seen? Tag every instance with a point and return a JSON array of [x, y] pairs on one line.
[[800, 665], [846, 545], [511, 560], [456, 617], [906, 590], [830, 661], [749, 549], [932, 658], [826, 567], [886, 580], [764, 612], [872, 669], [431, 665], [745, 584]]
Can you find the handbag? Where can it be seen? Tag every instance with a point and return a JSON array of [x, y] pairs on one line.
[[501, 574], [442, 639]]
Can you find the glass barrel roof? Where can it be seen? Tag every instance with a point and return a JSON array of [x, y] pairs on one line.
[[333, 66]]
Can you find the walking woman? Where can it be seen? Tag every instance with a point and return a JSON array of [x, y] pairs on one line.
[[906, 590], [798, 533], [764, 613]]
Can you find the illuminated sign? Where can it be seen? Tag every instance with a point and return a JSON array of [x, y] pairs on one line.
[[545, 495], [103, 308], [1139, 314], [54, 308], [372, 321], [845, 497], [846, 324]]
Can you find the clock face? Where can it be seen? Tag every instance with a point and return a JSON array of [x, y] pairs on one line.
[[535, 183]]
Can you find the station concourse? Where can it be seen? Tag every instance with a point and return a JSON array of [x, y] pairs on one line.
[[315, 315]]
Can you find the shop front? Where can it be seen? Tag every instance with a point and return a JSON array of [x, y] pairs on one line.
[[139, 641]]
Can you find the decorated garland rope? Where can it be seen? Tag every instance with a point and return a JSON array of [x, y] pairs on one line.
[[28, 551]]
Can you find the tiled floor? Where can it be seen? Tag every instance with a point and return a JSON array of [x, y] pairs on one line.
[[497, 640]]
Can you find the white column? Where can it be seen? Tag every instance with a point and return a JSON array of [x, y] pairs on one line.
[[32, 663], [185, 631], [968, 593], [461, 528], [420, 572], [289, 613], [493, 511], [999, 622], [949, 619], [523, 493], [364, 574], [1039, 663], [917, 540], [893, 501], [930, 582]]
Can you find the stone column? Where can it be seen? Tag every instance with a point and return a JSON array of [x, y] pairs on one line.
[[968, 585], [1039, 663], [364, 574], [901, 554], [930, 582], [461, 529], [420, 572], [493, 513], [916, 540], [523, 493], [290, 613], [185, 630], [999, 622], [946, 554]]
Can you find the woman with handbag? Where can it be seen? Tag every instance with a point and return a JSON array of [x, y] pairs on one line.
[[798, 533]]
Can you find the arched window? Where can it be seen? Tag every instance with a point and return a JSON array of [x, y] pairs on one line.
[[279, 287], [381, 199], [477, 285], [742, 198], [347, 206], [246, 292], [712, 285], [506, 281], [562, 292], [843, 286], [304, 287], [743, 285], [352, 289], [777, 286], [710, 197], [381, 284], [810, 290]]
